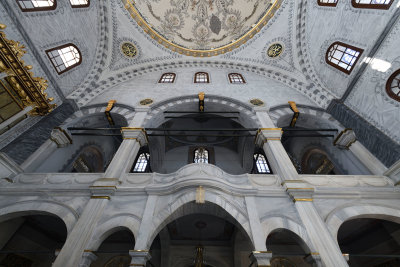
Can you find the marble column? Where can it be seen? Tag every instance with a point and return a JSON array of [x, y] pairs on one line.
[[255, 224], [347, 140], [300, 192], [58, 138], [134, 137], [261, 258], [8, 168], [314, 259], [139, 257], [73, 249], [142, 241], [87, 258]]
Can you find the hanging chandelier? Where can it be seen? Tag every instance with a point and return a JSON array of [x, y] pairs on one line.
[[199, 261]]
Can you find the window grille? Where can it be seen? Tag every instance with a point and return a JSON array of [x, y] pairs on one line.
[[64, 57], [261, 163], [201, 77], [393, 86], [327, 2], [142, 163], [375, 4], [343, 56], [236, 78], [167, 78], [37, 5], [79, 3], [201, 155]]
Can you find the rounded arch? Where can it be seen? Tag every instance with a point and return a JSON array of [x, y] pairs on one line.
[[215, 204], [272, 224], [247, 114], [124, 113], [116, 223], [67, 214], [341, 214]]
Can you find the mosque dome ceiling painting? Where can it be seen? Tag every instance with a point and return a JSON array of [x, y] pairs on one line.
[[202, 28]]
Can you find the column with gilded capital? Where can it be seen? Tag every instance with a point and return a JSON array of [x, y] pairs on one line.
[[299, 191], [139, 257]]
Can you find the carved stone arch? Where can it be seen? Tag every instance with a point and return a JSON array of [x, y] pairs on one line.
[[127, 112], [186, 205], [116, 223], [45, 207], [348, 212], [283, 111], [155, 114], [271, 224]]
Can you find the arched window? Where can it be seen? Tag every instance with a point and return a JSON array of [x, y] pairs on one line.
[[327, 2], [37, 5], [201, 77], [376, 4], [64, 57], [79, 3], [167, 78], [260, 164], [200, 155], [142, 163], [393, 85], [236, 78], [342, 56]]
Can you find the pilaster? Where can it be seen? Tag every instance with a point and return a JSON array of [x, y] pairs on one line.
[[262, 258], [347, 140], [139, 257], [87, 258], [8, 168], [255, 224]]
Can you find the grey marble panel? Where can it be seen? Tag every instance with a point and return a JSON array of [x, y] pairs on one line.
[[27, 143], [379, 144]]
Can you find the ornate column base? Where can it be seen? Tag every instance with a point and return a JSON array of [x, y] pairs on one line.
[[261, 258], [87, 258], [139, 257], [314, 258]]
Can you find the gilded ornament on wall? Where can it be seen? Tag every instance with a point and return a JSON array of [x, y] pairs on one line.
[[129, 49], [146, 101], [275, 50], [257, 102]]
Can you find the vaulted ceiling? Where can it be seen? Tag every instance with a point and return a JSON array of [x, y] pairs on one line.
[[304, 30]]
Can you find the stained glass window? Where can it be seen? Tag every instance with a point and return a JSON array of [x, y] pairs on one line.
[[167, 78], [200, 155], [201, 77], [342, 56], [64, 57], [236, 78], [393, 85], [261, 163], [376, 4], [327, 2], [79, 3], [37, 5], [142, 163]]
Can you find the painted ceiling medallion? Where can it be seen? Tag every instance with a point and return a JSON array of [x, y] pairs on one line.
[[257, 102], [202, 28], [129, 49], [146, 101], [275, 50]]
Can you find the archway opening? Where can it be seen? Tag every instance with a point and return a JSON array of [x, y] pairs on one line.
[[370, 242], [31, 240], [204, 233], [114, 250], [225, 130], [288, 249]]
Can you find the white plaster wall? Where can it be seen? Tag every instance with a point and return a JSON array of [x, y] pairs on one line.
[[354, 26], [369, 97], [270, 91]]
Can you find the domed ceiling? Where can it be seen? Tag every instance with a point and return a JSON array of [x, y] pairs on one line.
[[202, 27]]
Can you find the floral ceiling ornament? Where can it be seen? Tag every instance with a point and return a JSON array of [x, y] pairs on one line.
[[202, 28]]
